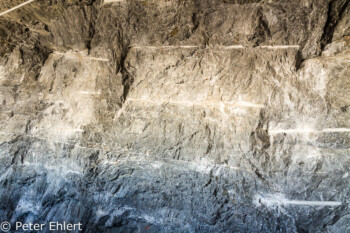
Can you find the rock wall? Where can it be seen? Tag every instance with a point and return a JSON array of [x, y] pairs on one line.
[[176, 115]]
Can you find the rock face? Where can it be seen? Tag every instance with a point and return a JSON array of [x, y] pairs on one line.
[[176, 115]]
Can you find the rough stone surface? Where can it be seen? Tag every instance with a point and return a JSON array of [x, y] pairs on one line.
[[176, 115]]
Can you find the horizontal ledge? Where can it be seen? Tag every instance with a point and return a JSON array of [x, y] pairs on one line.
[[259, 47], [308, 131], [78, 56], [204, 167], [89, 93], [112, 1], [16, 7], [279, 46], [314, 203], [298, 202], [166, 47], [238, 104], [217, 47]]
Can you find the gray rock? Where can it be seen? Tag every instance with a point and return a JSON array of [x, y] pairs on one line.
[[176, 116]]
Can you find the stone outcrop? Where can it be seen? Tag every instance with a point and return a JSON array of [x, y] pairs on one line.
[[176, 115]]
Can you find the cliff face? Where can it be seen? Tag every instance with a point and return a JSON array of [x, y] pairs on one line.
[[176, 115]]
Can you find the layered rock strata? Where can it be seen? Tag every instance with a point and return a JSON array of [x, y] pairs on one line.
[[176, 115]]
